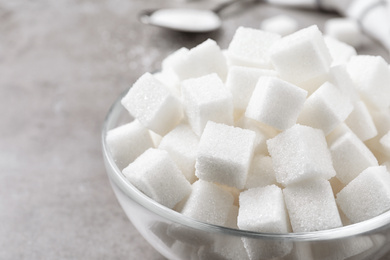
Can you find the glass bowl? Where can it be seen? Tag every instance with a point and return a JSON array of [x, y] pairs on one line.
[[178, 237]]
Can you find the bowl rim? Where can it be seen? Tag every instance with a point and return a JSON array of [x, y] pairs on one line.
[[115, 175]]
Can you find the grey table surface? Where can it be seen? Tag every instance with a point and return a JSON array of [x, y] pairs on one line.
[[62, 65]]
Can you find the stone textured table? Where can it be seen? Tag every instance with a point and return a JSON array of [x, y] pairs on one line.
[[62, 64]]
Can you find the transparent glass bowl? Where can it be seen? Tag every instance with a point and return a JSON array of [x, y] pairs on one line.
[[176, 236]]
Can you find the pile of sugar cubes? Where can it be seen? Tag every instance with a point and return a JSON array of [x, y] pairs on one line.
[[275, 134]]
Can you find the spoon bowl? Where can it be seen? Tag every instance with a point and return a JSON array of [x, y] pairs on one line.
[[186, 19]]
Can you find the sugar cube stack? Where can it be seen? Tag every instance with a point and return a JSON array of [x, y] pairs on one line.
[[277, 133]]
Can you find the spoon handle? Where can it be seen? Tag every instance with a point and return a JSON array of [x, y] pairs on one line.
[[224, 5]]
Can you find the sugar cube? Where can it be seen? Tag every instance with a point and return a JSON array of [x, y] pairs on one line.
[[250, 47], [266, 202], [367, 196], [173, 58], [170, 80], [344, 29], [340, 52], [350, 157], [205, 58], [241, 82], [208, 203], [300, 153], [261, 172], [305, 46], [127, 142], [263, 133], [157, 176], [372, 77], [361, 122], [280, 24], [326, 108], [311, 206], [182, 145], [339, 76], [153, 104], [276, 102], [206, 98], [382, 120], [263, 210], [227, 247], [224, 154], [385, 142]]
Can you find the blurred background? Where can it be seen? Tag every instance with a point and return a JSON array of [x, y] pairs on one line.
[[62, 64]]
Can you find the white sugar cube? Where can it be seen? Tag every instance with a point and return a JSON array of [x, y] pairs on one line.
[[280, 24], [250, 47], [173, 58], [263, 133], [300, 153], [261, 172], [182, 145], [127, 142], [385, 142], [206, 58], [208, 203], [382, 120], [153, 104], [224, 154], [340, 52], [350, 157], [367, 196], [156, 138], [226, 247], [263, 210], [266, 202], [276, 103], [241, 82], [170, 80], [345, 30], [339, 131], [326, 108], [155, 174], [361, 122], [305, 47], [372, 77], [311, 206], [206, 98], [339, 76]]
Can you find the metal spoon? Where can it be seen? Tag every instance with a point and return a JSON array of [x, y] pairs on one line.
[[184, 19]]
